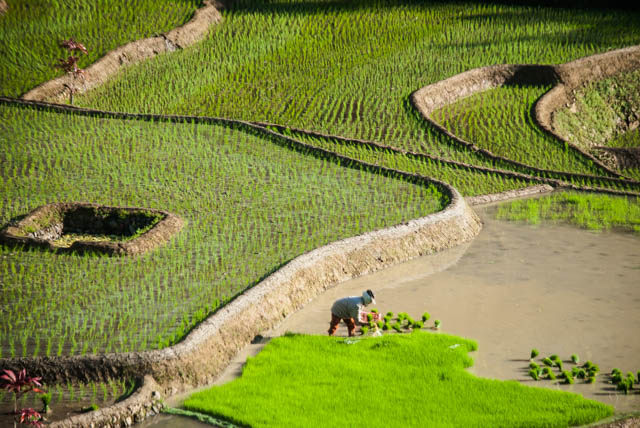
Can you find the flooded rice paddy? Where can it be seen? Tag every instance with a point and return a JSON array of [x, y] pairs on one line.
[[516, 287]]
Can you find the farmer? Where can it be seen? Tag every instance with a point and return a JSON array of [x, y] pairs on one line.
[[347, 308]]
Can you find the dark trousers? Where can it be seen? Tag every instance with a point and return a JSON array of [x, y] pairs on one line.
[[335, 320]]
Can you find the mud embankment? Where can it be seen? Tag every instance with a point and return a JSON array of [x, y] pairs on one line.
[[99, 72]]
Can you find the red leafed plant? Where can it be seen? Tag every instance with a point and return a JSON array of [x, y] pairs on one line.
[[20, 384], [70, 64], [30, 417], [71, 45]]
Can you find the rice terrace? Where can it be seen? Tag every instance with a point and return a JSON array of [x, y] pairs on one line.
[[187, 186]]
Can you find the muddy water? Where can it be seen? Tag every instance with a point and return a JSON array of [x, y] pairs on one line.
[[515, 287]]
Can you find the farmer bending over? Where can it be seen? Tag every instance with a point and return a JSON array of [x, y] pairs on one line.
[[347, 308]]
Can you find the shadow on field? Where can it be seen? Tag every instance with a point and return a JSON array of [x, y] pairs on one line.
[[319, 6]]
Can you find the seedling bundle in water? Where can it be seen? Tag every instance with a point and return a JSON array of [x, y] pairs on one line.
[[586, 372], [624, 383]]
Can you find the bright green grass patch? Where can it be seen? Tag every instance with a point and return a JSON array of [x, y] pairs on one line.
[[589, 211], [348, 67], [250, 206], [411, 380], [500, 120], [32, 29]]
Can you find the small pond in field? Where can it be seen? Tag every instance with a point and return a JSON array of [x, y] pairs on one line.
[[516, 287]]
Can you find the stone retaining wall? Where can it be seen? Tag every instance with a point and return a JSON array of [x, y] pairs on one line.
[[100, 71], [509, 194]]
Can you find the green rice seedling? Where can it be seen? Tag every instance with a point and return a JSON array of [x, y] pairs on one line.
[[386, 326], [91, 408], [638, 376], [409, 324], [374, 310], [364, 330], [588, 364], [389, 314], [593, 370], [558, 364], [425, 317], [624, 385], [418, 325], [46, 402], [574, 371], [397, 327], [94, 391], [387, 319], [547, 362], [568, 377], [591, 379], [436, 324], [534, 366], [534, 374], [380, 324], [554, 357], [549, 373], [615, 371], [369, 317], [534, 353], [575, 359], [582, 374], [616, 378], [630, 377]]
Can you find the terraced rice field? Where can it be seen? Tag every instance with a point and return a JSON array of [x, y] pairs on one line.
[[348, 68], [250, 204], [501, 121], [255, 198]]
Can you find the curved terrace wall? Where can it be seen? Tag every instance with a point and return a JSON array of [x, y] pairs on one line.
[[432, 97], [575, 74], [100, 71]]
